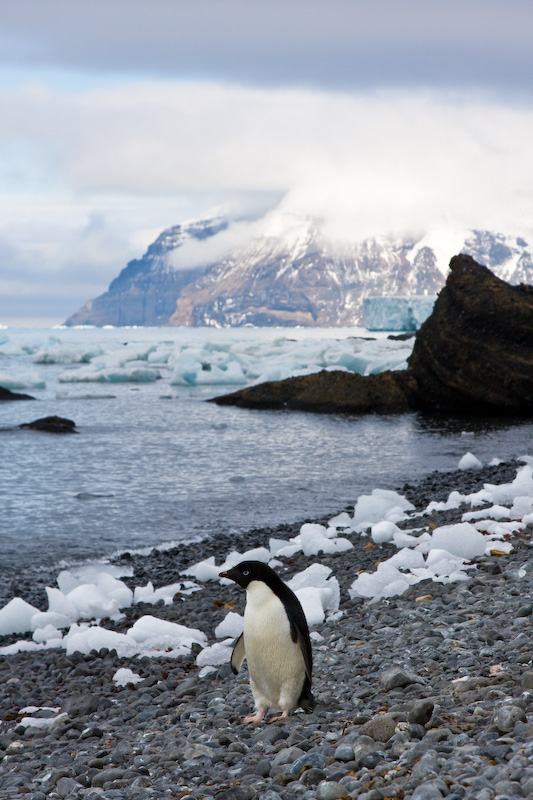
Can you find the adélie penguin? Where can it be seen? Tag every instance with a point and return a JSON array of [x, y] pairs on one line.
[[275, 642]]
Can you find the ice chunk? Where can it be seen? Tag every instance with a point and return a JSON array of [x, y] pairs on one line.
[[133, 374], [494, 512], [125, 676], [505, 493], [101, 599], [313, 575], [57, 353], [256, 554], [16, 382], [314, 539], [386, 581], [232, 625], [152, 629], [148, 636], [318, 593], [52, 636], [216, 654], [521, 507], [469, 461], [461, 540], [382, 504], [147, 594], [384, 531], [397, 313], [16, 616], [42, 723], [342, 520], [277, 546], [454, 501], [312, 601], [83, 638], [205, 570]]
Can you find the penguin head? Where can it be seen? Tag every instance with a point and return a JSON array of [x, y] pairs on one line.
[[248, 571]]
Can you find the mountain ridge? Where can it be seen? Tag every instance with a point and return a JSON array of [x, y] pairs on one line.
[[287, 272]]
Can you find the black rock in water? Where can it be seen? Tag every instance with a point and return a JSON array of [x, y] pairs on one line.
[[7, 394], [51, 425]]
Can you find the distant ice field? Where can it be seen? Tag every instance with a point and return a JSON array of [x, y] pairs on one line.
[[153, 463]]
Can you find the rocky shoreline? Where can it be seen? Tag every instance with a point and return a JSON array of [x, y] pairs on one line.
[[426, 695]]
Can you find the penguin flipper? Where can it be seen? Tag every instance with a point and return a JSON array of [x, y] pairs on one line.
[[303, 639], [238, 655]]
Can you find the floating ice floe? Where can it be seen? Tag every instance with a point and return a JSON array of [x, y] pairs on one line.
[[56, 352], [229, 362], [30, 380]]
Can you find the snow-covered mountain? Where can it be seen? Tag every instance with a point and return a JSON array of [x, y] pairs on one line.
[[286, 271], [146, 290]]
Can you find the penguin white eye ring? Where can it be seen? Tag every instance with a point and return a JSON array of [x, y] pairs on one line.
[[275, 642]]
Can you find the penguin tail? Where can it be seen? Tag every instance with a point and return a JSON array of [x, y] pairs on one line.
[[306, 699]]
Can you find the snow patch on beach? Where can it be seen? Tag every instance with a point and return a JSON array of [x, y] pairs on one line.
[[85, 597]]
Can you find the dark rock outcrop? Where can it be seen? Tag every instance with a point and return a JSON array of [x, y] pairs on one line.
[[475, 351], [7, 394], [330, 392], [474, 354], [51, 425]]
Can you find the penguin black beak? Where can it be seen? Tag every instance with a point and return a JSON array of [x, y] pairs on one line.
[[224, 575]]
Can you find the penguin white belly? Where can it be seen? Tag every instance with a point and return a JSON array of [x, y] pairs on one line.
[[275, 662]]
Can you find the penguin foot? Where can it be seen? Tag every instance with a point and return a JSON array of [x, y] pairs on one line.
[[285, 713], [257, 717]]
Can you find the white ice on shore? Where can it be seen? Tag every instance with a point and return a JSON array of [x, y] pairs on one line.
[[444, 555], [87, 594], [125, 676], [469, 461]]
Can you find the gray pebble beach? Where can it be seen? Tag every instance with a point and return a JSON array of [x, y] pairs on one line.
[[427, 695]]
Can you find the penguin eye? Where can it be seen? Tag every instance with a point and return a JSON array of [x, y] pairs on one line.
[[246, 572]]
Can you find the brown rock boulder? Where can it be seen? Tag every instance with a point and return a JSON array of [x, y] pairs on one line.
[[474, 354], [329, 392]]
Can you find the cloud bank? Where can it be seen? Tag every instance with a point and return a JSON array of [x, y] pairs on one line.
[[366, 163]]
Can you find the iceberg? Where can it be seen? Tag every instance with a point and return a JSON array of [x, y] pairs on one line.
[[397, 313]]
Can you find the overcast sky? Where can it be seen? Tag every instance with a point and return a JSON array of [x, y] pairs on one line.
[[122, 117]]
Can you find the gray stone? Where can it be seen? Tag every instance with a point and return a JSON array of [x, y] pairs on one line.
[[432, 790], [330, 790], [79, 705], [427, 767], [313, 776], [106, 776], [527, 679], [311, 759], [380, 728], [421, 712], [66, 786], [506, 717], [396, 677], [344, 752]]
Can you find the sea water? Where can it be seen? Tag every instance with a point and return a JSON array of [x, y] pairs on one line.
[[154, 463]]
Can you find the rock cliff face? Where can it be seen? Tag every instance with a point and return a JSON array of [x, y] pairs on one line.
[[288, 273], [146, 290], [474, 354]]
